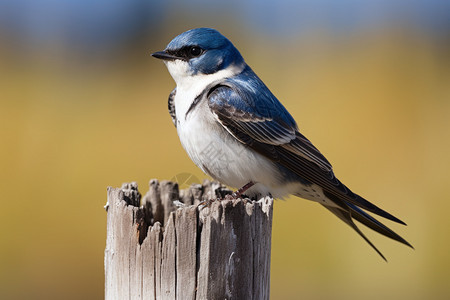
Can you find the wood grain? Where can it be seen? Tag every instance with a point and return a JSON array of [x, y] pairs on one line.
[[160, 251]]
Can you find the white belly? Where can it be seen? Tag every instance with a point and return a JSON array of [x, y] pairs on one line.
[[224, 158], [212, 148]]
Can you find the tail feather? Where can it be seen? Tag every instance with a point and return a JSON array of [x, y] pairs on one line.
[[346, 216], [366, 219], [359, 201], [347, 211]]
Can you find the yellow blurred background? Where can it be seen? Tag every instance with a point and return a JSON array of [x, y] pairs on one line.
[[83, 106]]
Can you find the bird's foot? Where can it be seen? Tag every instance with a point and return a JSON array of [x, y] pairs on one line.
[[234, 196], [242, 190], [207, 203]]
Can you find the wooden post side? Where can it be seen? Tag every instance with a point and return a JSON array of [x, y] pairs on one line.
[[163, 251], [186, 228]]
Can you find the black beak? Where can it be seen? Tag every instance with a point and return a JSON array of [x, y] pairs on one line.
[[165, 56]]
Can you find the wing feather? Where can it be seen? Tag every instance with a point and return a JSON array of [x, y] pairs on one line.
[[271, 133]]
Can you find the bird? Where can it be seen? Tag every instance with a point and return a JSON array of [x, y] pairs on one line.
[[236, 131]]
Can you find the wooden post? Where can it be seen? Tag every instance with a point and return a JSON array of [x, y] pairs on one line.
[[163, 251]]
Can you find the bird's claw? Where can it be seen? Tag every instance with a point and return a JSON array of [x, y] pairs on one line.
[[207, 203]]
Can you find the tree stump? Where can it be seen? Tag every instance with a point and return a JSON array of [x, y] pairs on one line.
[[174, 250]]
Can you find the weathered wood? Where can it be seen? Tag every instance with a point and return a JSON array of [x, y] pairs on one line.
[[161, 251], [186, 225]]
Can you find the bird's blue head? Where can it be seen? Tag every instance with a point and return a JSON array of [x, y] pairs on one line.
[[200, 51]]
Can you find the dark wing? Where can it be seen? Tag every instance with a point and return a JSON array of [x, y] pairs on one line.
[[171, 106], [263, 124], [270, 132]]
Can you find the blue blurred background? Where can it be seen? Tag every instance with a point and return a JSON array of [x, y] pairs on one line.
[[84, 106]]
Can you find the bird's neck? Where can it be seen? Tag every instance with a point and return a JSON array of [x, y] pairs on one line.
[[186, 81], [190, 86]]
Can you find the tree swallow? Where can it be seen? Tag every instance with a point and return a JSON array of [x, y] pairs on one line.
[[236, 131]]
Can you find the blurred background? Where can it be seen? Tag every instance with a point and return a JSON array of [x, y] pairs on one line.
[[83, 106]]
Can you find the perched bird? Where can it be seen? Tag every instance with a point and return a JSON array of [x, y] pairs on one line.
[[237, 131]]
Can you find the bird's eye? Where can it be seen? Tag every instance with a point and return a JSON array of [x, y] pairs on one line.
[[195, 51]]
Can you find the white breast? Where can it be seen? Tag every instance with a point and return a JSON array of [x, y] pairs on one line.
[[211, 147], [190, 86]]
